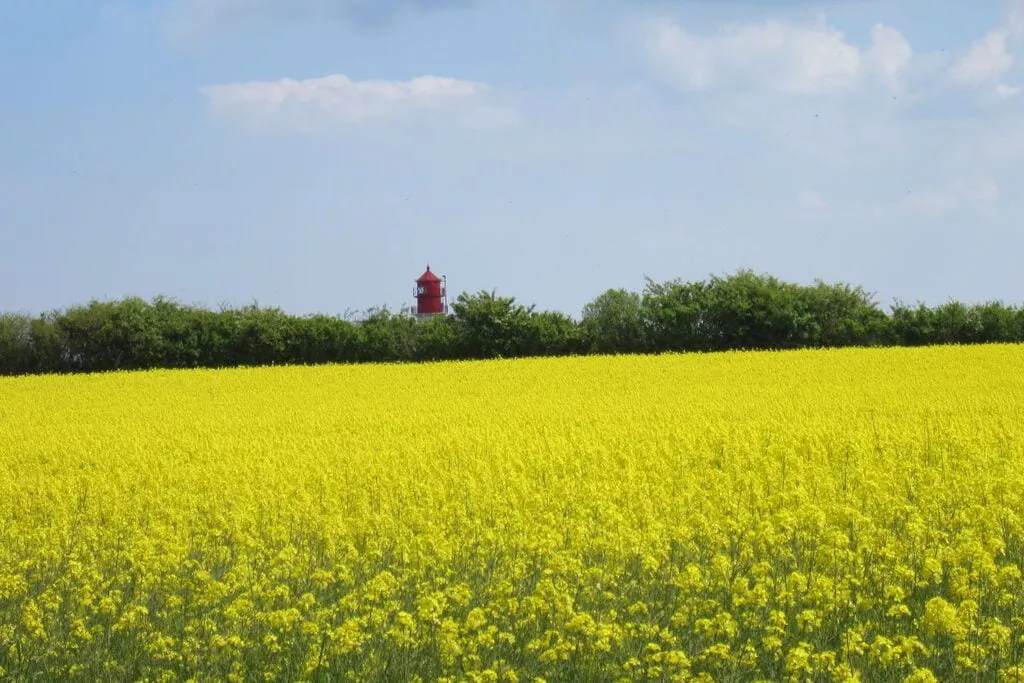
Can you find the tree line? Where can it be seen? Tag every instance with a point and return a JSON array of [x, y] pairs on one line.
[[744, 310]]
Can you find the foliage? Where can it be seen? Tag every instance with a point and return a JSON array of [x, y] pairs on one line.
[[614, 323], [492, 326], [853, 514], [15, 344], [744, 310]]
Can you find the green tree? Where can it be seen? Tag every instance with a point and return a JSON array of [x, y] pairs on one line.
[[16, 355], [112, 335], [998, 322], [911, 326], [492, 326], [385, 336], [675, 315], [436, 338], [554, 334], [614, 323], [748, 310], [842, 315], [322, 339]]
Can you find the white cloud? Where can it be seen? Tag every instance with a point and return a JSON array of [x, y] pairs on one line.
[[338, 98], [980, 193], [985, 61], [889, 55], [918, 149], [810, 199], [776, 55], [1005, 92]]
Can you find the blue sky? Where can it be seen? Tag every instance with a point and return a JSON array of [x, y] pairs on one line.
[[315, 155]]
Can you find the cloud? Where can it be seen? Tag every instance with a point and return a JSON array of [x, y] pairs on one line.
[[899, 145], [889, 55], [774, 55], [1005, 92], [339, 99], [985, 61], [190, 19], [882, 112], [810, 199], [980, 193]]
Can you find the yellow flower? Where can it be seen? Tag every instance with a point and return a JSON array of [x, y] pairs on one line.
[[840, 514]]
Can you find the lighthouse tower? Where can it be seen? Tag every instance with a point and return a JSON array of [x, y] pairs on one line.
[[431, 294]]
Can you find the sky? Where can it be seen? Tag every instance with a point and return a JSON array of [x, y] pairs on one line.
[[316, 155]]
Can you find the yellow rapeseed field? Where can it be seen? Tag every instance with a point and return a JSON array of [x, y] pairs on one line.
[[811, 515]]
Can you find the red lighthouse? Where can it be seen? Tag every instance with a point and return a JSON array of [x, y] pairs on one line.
[[431, 294]]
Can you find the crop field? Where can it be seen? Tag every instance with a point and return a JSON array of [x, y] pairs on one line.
[[810, 515]]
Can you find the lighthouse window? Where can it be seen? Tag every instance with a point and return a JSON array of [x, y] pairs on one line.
[[422, 289]]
